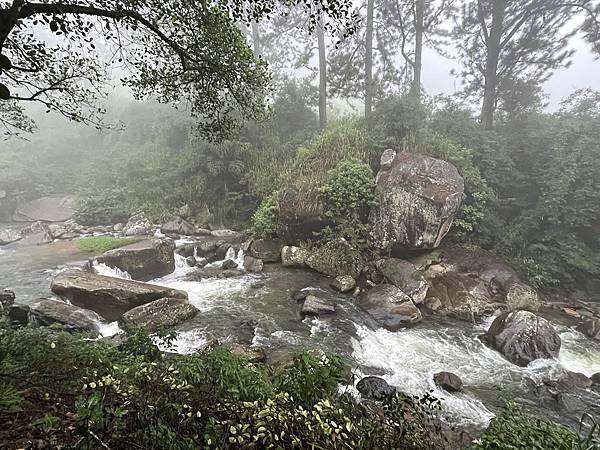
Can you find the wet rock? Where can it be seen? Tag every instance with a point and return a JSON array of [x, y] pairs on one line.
[[448, 381], [110, 297], [315, 306], [9, 236], [595, 378], [254, 355], [343, 283], [572, 403], [207, 247], [572, 381], [591, 328], [164, 312], [223, 249], [522, 337], [386, 160], [229, 264], [252, 264], [178, 225], [190, 261], [294, 256], [144, 260], [405, 276], [244, 331], [45, 312], [18, 315], [229, 234], [138, 225], [418, 199], [186, 250], [202, 232], [374, 388], [269, 250], [37, 233], [57, 231], [7, 299], [301, 213], [47, 209], [201, 262], [301, 294], [390, 307], [336, 258]]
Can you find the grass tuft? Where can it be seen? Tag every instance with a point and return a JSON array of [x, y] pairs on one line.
[[101, 244]]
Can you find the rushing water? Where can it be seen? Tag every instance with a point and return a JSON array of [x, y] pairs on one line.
[[259, 309]]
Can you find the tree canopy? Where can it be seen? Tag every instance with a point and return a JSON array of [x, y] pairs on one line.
[[57, 52]]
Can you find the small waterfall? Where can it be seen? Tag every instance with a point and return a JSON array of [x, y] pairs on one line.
[[103, 269]]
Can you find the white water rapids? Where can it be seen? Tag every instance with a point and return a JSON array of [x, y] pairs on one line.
[[407, 359]]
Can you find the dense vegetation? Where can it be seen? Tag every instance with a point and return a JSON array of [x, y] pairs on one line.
[[72, 391]]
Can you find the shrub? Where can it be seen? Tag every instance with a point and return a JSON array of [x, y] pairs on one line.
[[349, 193], [265, 221], [101, 244]]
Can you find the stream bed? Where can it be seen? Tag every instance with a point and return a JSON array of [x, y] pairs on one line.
[[260, 308]]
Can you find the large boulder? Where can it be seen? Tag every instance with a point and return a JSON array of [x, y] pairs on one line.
[[448, 381], [591, 328], [178, 225], [138, 225], [45, 312], [469, 283], [405, 276], [301, 214], [110, 297], [522, 337], [336, 258], [143, 260], [252, 264], [316, 306], [269, 250], [47, 209], [390, 307], [418, 199], [164, 312], [294, 256]]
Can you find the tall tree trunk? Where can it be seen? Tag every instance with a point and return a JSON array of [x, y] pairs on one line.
[[369, 59], [488, 107], [255, 39], [322, 75], [418, 62]]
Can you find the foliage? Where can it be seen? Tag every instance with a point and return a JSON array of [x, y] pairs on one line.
[[101, 244], [135, 394], [265, 221], [517, 430], [349, 194]]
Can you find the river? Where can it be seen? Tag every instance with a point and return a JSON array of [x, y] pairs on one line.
[[261, 307]]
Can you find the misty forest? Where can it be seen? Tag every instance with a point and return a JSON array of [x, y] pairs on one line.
[[320, 224]]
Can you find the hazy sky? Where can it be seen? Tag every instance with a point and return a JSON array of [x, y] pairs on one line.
[[583, 73]]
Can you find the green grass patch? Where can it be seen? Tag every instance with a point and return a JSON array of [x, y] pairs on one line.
[[101, 244]]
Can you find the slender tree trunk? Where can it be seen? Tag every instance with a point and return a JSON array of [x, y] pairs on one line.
[[418, 62], [322, 75], [255, 39], [369, 59], [488, 107]]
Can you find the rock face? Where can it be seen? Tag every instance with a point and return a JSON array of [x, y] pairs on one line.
[[46, 311], [522, 337], [143, 260], [336, 258], [591, 328], [405, 276], [390, 307], [252, 264], [110, 297], [164, 312], [47, 209], [418, 199], [374, 387], [301, 213], [469, 283], [294, 256], [315, 306], [178, 226], [269, 250], [138, 225], [448, 381]]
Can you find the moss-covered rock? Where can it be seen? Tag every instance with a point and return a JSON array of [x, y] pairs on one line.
[[336, 258]]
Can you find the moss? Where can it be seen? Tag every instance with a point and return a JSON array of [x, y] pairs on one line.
[[101, 244]]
